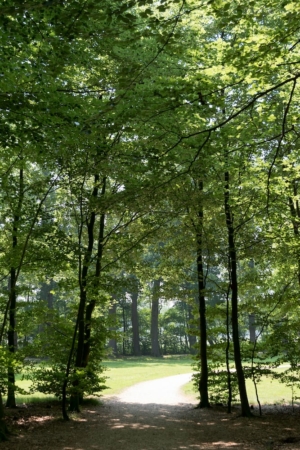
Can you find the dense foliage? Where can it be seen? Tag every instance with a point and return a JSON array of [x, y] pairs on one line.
[[149, 163]]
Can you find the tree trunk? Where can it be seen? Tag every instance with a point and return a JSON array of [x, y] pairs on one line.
[[232, 258], [11, 399], [112, 341], [252, 328], [191, 337], [124, 307], [155, 349], [91, 305], [11, 335], [135, 324], [229, 385], [203, 382], [3, 428], [186, 316], [81, 323]]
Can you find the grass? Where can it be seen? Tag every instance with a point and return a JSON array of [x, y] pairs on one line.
[[124, 372], [269, 391], [30, 398]]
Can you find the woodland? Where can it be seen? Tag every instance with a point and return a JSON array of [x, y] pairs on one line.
[[149, 199]]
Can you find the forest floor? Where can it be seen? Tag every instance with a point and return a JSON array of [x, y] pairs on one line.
[[152, 415]]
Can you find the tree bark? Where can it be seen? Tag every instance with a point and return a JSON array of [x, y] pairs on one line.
[[112, 341], [92, 303], [11, 399], [83, 273], [232, 258], [229, 386], [191, 337], [3, 428], [203, 382], [252, 328], [11, 335], [135, 324], [155, 348]]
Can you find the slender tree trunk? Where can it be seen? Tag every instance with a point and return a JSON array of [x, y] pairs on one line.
[[83, 273], [91, 305], [112, 341], [229, 386], [185, 327], [12, 345], [155, 349], [234, 301], [252, 328], [75, 397], [3, 428], [11, 400], [191, 337], [124, 320], [68, 369], [135, 324], [203, 383]]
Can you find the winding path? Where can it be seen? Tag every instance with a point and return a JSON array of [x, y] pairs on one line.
[[164, 391]]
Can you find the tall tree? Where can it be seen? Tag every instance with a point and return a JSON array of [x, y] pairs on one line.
[[155, 347], [233, 276], [135, 319], [11, 401], [203, 383]]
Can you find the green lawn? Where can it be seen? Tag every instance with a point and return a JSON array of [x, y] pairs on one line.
[[124, 372], [269, 391]]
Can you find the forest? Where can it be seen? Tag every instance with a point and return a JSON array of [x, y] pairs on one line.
[[149, 201]]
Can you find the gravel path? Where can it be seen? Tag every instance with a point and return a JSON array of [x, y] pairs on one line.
[[164, 391]]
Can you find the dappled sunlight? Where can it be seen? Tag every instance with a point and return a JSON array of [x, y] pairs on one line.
[[140, 426], [226, 444], [137, 425], [41, 420], [149, 426], [75, 448]]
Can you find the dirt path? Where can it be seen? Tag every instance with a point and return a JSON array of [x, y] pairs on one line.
[[164, 391], [156, 421]]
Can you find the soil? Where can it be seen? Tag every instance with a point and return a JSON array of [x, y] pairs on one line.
[[153, 415]]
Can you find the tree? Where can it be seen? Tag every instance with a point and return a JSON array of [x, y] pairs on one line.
[[135, 320], [232, 262], [203, 384], [155, 347], [112, 146]]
